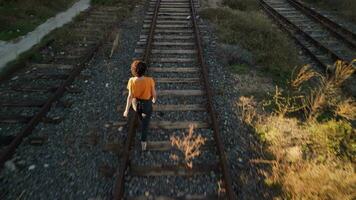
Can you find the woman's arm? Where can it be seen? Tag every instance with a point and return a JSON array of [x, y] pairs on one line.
[[128, 104], [154, 93]]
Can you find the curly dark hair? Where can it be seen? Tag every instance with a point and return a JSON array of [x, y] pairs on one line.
[[138, 68]]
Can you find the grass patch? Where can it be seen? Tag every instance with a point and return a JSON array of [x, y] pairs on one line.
[[251, 30], [17, 18], [346, 8]]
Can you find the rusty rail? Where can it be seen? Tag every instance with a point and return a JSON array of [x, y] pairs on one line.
[[211, 110], [119, 189]]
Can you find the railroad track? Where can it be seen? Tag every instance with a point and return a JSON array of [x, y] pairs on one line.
[[28, 96], [322, 39], [170, 42]]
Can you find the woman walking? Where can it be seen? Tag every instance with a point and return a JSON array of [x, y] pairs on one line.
[[142, 94]]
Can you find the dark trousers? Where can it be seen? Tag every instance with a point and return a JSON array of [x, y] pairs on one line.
[[144, 111]]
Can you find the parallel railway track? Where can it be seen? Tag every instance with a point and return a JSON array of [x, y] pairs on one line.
[[321, 38], [170, 43], [30, 93]]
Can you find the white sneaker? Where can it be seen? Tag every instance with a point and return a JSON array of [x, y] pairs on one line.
[[144, 146]]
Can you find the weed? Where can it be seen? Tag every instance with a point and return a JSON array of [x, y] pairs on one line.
[[247, 106], [189, 145], [327, 91], [304, 74]]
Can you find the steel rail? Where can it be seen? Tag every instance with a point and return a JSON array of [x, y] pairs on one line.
[[211, 110], [36, 119], [119, 189], [342, 33]]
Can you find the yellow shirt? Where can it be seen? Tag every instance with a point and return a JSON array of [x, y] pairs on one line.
[[141, 88]]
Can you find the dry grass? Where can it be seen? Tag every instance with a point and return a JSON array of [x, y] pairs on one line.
[[320, 181], [189, 145], [314, 93], [342, 71], [303, 74], [327, 92], [247, 106], [285, 102], [314, 181]]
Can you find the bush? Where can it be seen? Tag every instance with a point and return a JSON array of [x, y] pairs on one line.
[[272, 49]]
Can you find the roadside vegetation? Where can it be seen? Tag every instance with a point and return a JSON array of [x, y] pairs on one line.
[[346, 8], [20, 17], [242, 23], [309, 132]]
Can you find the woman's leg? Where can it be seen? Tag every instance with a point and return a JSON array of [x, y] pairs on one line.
[[145, 117]]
